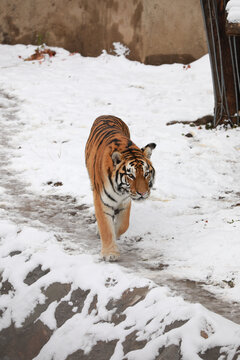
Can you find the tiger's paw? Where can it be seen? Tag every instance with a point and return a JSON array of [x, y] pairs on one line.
[[110, 256]]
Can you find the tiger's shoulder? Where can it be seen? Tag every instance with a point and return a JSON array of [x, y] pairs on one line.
[[107, 131]]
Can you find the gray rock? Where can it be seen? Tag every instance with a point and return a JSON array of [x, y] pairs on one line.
[[23, 343], [171, 352], [35, 274], [101, 351]]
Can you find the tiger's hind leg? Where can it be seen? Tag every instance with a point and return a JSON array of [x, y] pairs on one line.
[[105, 221], [122, 219]]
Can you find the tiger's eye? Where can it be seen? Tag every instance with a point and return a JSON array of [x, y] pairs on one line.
[[130, 176]]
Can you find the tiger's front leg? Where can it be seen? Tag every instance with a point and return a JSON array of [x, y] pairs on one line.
[[105, 220], [122, 219]]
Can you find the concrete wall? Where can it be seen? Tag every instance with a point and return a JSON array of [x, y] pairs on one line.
[[156, 31]]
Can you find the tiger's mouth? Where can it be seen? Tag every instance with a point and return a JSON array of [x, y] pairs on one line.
[[139, 197]]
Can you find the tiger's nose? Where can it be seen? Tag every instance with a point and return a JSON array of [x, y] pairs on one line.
[[142, 193]]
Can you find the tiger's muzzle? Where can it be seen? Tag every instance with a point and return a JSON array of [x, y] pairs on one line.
[[138, 196]]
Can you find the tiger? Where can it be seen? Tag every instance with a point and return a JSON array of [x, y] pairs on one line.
[[119, 172]]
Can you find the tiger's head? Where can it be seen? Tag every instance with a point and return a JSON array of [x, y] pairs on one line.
[[133, 172]]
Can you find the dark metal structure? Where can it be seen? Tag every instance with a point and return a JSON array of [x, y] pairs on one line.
[[224, 52]]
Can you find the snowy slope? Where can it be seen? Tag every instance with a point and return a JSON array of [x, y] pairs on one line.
[[191, 222]]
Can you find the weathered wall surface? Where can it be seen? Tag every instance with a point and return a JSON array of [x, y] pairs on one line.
[[156, 31]]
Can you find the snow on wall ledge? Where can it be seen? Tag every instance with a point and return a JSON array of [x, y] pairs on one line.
[[70, 307], [233, 9]]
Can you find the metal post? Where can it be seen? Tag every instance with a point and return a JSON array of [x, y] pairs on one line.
[[223, 54]]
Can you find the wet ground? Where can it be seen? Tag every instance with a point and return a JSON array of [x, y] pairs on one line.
[[72, 223]]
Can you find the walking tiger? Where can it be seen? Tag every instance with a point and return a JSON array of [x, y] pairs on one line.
[[119, 172]]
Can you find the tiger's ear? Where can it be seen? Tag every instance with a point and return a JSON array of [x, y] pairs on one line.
[[116, 157], [147, 150]]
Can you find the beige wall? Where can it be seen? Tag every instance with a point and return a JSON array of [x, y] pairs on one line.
[[156, 31]]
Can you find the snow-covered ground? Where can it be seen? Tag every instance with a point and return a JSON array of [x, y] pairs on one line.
[[190, 225]]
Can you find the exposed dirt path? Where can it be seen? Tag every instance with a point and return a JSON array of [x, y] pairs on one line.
[[70, 220]]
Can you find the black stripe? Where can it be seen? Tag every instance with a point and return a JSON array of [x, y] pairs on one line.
[[109, 206], [116, 177], [94, 175], [94, 133], [108, 195], [132, 151], [110, 180], [116, 142], [117, 211], [105, 123], [112, 216]]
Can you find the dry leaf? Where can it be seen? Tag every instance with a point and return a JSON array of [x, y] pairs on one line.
[[204, 334], [39, 54]]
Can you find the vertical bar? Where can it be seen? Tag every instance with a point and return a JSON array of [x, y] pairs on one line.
[[223, 62], [236, 53], [235, 72], [207, 19]]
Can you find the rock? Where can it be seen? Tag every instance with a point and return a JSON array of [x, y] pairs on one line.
[[211, 354], [14, 253], [54, 292], [23, 343], [6, 287], [131, 343], [34, 275], [93, 305], [175, 325], [171, 352], [129, 298], [216, 353], [101, 351], [64, 311]]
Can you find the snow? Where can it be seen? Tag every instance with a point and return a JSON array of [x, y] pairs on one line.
[[190, 223], [233, 10]]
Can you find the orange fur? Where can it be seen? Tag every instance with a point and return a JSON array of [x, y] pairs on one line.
[[119, 171]]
